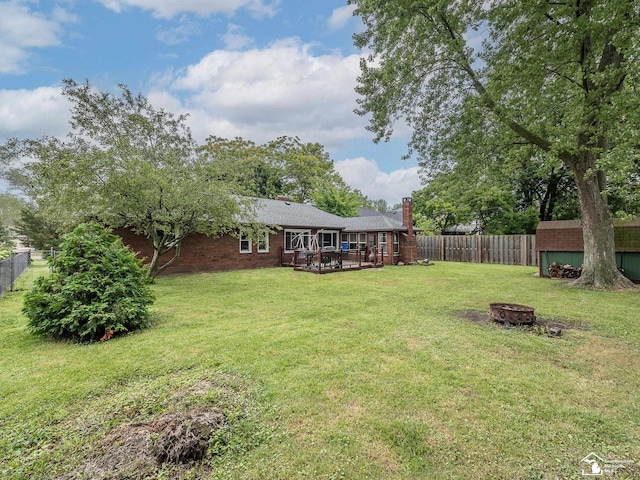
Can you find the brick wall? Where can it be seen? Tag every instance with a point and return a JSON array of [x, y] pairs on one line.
[[200, 253], [627, 236], [566, 236]]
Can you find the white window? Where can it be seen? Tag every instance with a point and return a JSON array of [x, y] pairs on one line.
[[396, 242], [382, 241], [363, 241], [245, 242], [328, 239], [296, 239], [263, 242], [353, 241]]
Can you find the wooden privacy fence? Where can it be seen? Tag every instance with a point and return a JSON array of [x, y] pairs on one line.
[[504, 249]]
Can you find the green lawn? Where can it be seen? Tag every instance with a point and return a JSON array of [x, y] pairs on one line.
[[366, 374]]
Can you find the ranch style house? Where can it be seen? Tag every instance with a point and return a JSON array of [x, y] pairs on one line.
[[301, 236]]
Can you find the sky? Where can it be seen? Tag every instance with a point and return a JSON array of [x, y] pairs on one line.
[[258, 69]]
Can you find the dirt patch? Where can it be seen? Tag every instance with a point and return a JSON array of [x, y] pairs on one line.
[[138, 450], [177, 430], [541, 326]]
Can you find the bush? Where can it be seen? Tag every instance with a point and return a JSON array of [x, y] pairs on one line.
[[97, 285]]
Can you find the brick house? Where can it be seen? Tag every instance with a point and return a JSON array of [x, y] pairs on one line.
[[389, 235]]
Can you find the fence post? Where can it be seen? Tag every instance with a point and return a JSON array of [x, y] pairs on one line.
[[11, 272]]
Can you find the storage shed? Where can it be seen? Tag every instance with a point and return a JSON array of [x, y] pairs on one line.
[[561, 242]]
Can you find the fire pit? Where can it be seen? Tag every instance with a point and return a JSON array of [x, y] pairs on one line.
[[511, 313]]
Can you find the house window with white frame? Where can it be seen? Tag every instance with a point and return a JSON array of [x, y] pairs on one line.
[[328, 239], [353, 241], [263, 242], [396, 242], [245, 242], [382, 242], [362, 242], [296, 239]]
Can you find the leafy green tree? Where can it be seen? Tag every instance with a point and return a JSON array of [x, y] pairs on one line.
[[283, 167], [10, 207], [246, 164], [339, 200], [440, 202], [42, 229], [97, 286], [130, 165], [559, 75], [6, 238], [477, 152], [379, 205], [306, 167]]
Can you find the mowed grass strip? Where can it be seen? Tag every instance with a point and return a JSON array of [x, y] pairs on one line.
[[367, 374]]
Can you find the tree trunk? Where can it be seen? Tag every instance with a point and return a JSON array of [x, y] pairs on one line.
[[599, 269], [152, 268]]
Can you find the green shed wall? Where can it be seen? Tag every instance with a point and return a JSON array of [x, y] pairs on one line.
[[629, 261]]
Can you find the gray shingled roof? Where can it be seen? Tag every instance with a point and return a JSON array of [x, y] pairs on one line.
[[367, 212], [373, 223], [291, 214]]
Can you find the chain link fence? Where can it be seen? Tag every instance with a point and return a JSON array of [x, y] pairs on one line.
[[11, 268]]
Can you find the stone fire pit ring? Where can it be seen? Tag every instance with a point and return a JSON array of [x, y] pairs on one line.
[[512, 313]]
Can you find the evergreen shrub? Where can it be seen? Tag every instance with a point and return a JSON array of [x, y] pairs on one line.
[[97, 289]]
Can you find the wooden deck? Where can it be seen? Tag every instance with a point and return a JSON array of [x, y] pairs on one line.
[[343, 267], [332, 262]]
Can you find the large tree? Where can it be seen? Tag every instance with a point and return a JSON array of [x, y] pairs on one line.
[[478, 155], [282, 167], [130, 165], [339, 200], [43, 229], [560, 75]]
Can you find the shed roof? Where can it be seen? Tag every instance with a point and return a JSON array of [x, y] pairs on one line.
[[559, 225], [569, 224]]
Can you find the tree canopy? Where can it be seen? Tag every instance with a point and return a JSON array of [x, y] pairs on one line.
[[6, 238], [282, 167], [130, 165], [558, 76], [339, 200]]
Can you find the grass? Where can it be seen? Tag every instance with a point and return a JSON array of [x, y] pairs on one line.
[[367, 374]]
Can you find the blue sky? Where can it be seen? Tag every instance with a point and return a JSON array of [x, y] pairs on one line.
[[257, 69]]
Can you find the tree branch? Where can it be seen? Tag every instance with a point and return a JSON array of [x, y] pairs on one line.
[[524, 132]]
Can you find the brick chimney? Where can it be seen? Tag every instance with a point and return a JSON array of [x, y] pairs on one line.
[[407, 214]]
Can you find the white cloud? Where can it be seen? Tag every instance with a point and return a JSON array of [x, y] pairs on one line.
[[180, 33], [235, 39], [340, 17], [32, 113], [365, 175], [170, 8], [22, 30], [261, 94]]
